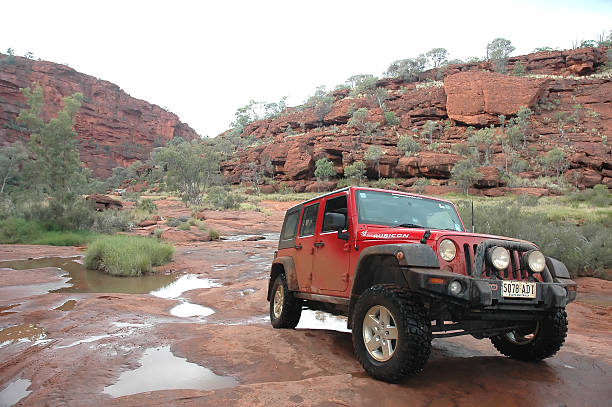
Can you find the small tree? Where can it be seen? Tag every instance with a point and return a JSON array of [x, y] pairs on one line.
[[483, 139], [498, 52], [522, 119], [519, 69], [557, 160], [11, 158], [428, 130], [465, 174], [407, 145], [322, 103], [437, 57], [359, 120], [407, 69], [324, 169], [355, 171], [191, 167], [374, 153], [56, 165]]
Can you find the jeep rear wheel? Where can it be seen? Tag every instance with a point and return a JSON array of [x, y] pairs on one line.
[[391, 333], [285, 309], [539, 341]]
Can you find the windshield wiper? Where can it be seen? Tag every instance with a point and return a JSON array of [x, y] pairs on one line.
[[408, 225]]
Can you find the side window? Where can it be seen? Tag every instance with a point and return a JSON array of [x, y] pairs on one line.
[[335, 205], [309, 220], [290, 227]]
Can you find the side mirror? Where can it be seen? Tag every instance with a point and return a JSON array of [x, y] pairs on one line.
[[336, 221]]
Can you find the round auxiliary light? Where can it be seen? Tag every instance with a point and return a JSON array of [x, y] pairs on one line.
[[500, 257], [455, 287], [448, 251], [535, 260]]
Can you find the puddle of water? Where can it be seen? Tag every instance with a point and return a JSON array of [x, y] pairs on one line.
[[161, 370], [238, 238], [21, 333], [67, 306], [184, 283], [15, 391], [322, 320], [187, 309], [86, 340], [83, 280]]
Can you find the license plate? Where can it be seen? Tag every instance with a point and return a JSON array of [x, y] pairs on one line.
[[518, 289]]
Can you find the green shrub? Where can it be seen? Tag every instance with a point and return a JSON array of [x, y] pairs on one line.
[[598, 196], [146, 205], [65, 238], [390, 118], [407, 145], [214, 235], [184, 226], [123, 255], [324, 169], [112, 220], [223, 199], [78, 214], [157, 232], [18, 230]]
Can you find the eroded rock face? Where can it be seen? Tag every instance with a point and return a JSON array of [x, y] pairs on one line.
[[114, 128], [478, 98]]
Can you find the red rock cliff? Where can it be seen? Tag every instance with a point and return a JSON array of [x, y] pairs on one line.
[[115, 129], [571, 109]]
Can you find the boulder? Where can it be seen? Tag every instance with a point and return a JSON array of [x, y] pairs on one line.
[[102, 202], [477, 98], [490, 177]]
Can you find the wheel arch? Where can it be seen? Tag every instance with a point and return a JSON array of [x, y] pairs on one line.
[[282, 265], [380, 265]]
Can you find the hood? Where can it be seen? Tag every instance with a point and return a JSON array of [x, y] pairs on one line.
[[410, 235]]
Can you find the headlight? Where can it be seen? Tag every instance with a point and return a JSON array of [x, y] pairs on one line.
[[448, 251], [535, 260], [500, 257]]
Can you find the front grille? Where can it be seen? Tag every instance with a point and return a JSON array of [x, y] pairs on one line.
[[514, 270]]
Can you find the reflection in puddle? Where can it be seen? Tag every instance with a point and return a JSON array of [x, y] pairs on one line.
[[184, 283], [15, 391], [5, 310], [161, 370], [187, 309], [21, 333], [322, 320], [86, 340], [91, 281], [67, 306]]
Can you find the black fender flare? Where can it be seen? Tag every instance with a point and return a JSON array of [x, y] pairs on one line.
[[283, 265], [413, 255]]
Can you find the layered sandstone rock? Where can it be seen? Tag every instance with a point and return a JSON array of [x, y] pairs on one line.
[[114, 128]]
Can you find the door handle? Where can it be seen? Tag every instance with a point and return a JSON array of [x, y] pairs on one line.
[[319, 244], [298, 246]]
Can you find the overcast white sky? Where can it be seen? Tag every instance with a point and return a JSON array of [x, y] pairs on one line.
[[204, 59]]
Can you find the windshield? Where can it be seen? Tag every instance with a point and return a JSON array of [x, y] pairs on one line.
[[391, 209]]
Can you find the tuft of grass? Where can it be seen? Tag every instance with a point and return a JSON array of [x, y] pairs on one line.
[[184, 226], [214, 235], [66, 238], [123, 255]]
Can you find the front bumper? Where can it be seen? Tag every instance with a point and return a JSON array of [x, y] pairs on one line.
[[485, 294]]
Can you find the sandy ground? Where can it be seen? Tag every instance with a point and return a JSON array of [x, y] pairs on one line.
[[73, 346]]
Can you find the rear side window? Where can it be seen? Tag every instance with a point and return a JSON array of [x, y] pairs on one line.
[[335, 205], [289, 230], [309, 220]]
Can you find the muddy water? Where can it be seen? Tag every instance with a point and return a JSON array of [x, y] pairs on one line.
[[161, 370], [83, 280], [14, 392]]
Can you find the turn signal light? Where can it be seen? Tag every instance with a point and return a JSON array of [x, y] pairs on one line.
[[435, 280]]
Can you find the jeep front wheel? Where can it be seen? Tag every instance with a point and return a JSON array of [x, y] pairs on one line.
[[391, 333], [539, 341], [285, 309]]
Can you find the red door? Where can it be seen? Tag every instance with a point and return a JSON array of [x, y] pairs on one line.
[[331, 258], [304, 246]]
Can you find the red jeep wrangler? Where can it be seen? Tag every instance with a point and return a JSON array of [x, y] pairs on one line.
[[404, 270]]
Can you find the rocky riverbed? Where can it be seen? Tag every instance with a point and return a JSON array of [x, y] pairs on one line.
[[198, 333]]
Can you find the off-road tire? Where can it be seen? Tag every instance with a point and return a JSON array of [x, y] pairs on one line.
[[291, 309], [413, 344], [548, 339]]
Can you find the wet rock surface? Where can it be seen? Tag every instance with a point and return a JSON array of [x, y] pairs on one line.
[[84, 353]]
